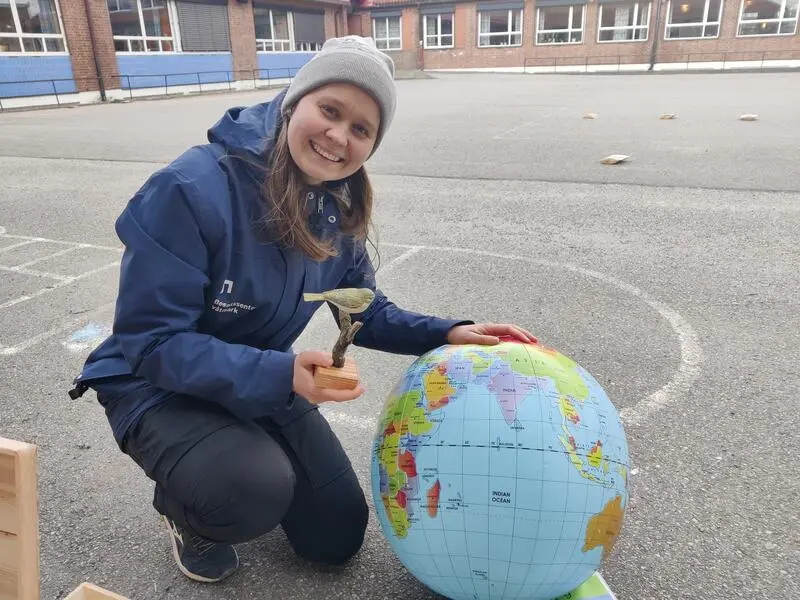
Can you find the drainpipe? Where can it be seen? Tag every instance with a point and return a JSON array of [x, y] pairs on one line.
[[421, 40], [97, 70], [657, 36]]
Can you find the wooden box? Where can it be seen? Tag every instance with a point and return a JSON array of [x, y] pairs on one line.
[[19, 521], [87, 591]]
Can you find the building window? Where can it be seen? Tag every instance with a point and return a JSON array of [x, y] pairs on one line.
[[624, 22], [141, 25], [273, 30], [499, 28], [560, 24], [693, 19], [387, 32], [762, 17], [30, 26], [438, 31]]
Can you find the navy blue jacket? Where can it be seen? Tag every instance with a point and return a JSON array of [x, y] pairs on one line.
[[209, 305]]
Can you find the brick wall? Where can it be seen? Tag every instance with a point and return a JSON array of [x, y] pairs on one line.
[[467, 54], [76, 29], [243, 39], [728, 46]]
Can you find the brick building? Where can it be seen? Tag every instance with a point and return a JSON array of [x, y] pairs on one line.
[[583, 35], [87, 50]]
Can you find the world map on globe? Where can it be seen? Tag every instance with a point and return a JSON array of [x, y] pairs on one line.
[[500, 472]]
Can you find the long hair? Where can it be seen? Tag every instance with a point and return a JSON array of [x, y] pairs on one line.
[[285, 191]]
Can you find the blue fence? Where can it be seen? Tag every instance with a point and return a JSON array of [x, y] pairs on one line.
[[35, 76], [170, 82]]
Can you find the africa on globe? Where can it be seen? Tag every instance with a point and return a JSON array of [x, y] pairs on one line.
[[500, 472]]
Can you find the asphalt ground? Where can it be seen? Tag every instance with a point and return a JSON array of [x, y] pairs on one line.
[[674, 278]]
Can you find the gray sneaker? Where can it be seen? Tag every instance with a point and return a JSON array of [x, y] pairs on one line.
[[198, 558]]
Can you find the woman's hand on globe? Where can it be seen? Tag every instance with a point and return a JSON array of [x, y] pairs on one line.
[[488, 334]]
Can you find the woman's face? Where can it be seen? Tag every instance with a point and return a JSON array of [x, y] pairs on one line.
[[332, 132]]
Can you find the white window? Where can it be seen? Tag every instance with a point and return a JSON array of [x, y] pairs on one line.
[[142, 25], [438, 31], [560, 24], [771, 17], [273, 30], [499, 28], [387, 33], [624, 21], [693, 19], [30, 26]]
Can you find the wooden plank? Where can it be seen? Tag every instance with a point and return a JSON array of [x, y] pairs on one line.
[[19, 517], [8, 495], [88, 591]]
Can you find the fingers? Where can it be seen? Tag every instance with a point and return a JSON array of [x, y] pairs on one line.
[[321, 395], [315, 358]]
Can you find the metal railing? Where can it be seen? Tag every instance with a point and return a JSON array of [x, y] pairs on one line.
[[760, 60], [170, 82]]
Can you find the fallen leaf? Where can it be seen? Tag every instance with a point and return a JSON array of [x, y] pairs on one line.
[[613, 159]]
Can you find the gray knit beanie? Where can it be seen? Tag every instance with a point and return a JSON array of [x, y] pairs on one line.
[[350, 59]]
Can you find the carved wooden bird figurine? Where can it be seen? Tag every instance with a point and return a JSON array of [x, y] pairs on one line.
[[348, 300]]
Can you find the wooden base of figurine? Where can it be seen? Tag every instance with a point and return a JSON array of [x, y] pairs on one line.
[[345, 378]]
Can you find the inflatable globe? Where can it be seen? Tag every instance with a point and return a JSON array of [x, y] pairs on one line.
[[499, 472]]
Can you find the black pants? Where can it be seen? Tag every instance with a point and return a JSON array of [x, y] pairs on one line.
[[231, 481]]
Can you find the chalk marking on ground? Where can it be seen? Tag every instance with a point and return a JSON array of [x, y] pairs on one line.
[[34, 273], [32, 341], [690, 349], [27, 239], [17, 245], [58, 285], [514, 129], [49, 256]]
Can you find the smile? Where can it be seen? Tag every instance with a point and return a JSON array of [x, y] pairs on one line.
[[324, 154]]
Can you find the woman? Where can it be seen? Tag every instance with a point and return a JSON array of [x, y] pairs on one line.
[[198, 379]]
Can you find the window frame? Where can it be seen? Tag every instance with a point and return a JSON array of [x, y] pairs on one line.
[[569, 31], [509, 32], [704, 23], [387, 39], [636, 4], [174, 39], [20, 36], [261, 43], [439, 35], [780, 21]]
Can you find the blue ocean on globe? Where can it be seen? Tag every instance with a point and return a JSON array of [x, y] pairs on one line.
[[500, 472]]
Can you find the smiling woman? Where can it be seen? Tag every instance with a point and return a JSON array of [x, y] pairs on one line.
[[221, 246]]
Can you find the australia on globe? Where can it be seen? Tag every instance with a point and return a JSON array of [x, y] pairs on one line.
[[499, 472]]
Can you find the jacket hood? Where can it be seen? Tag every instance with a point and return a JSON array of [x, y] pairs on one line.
[[249, 132]]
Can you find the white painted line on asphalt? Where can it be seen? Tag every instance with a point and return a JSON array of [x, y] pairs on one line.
[[2, 230], [31, 239], [17, 245], [32, 341], [49, 256], [514, 129], [34, 273], [58, 285]]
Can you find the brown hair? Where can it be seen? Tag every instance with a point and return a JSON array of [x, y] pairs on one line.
[[285, 191]]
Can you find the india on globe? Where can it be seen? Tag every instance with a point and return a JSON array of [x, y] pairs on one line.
[[500, 472]]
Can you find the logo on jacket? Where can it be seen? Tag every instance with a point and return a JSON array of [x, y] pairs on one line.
[[232, 306]]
